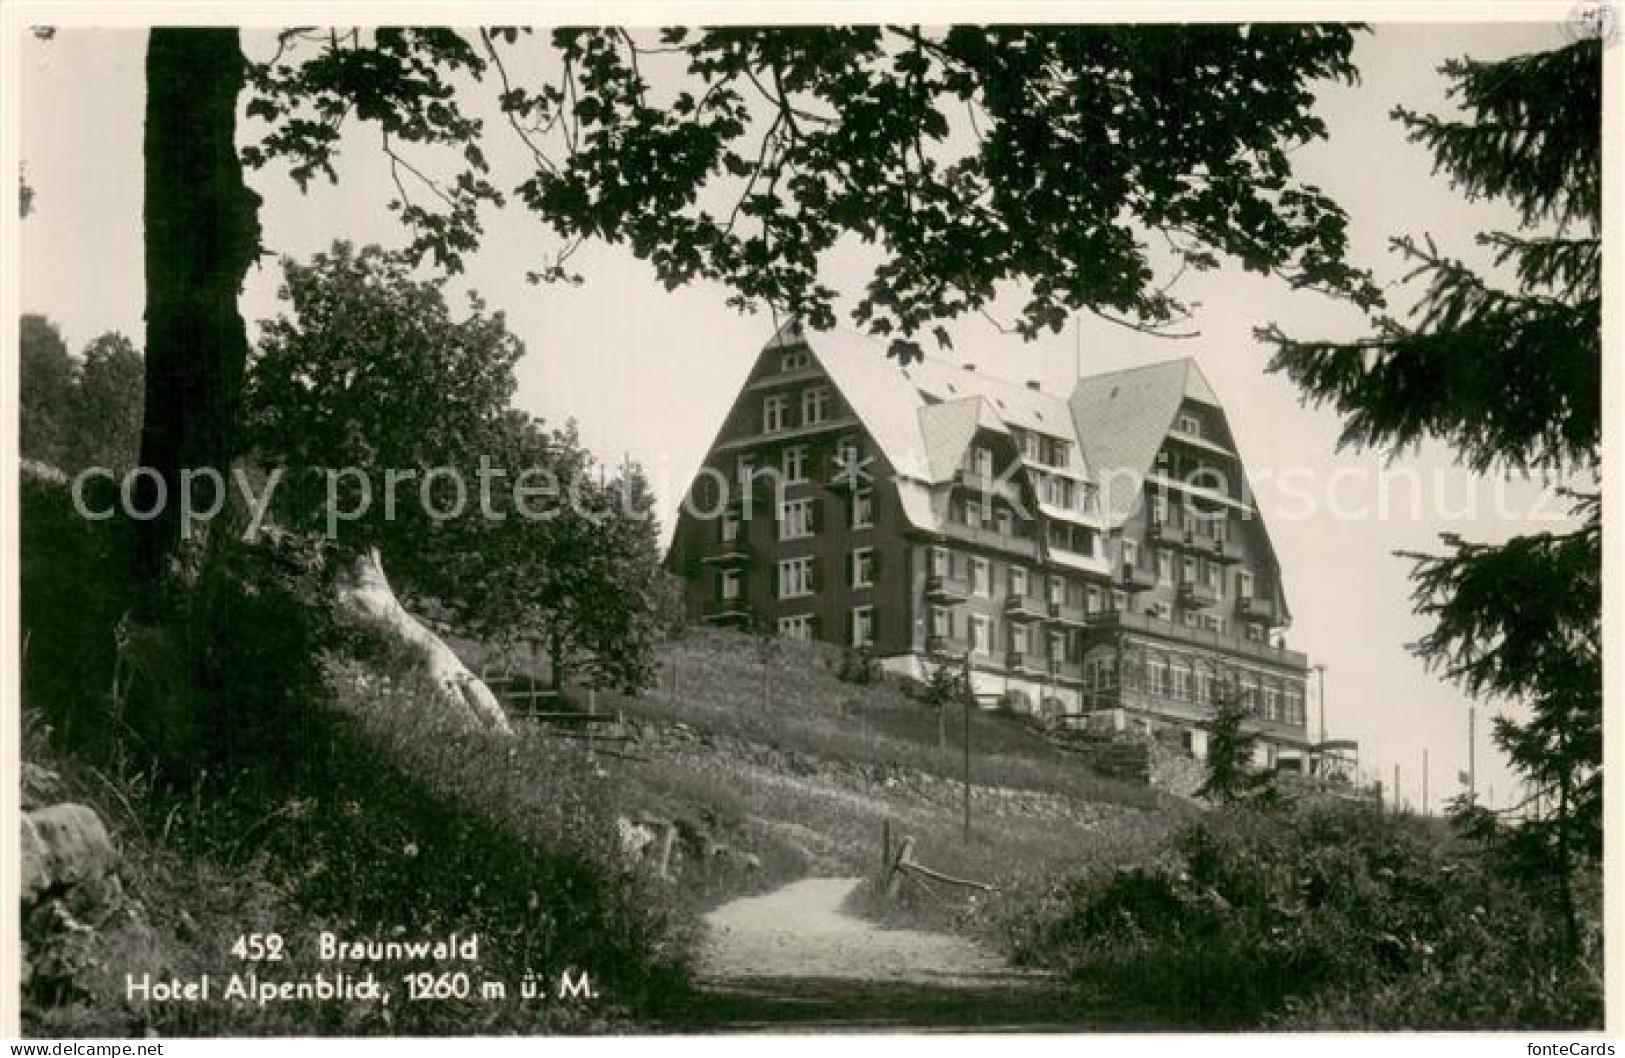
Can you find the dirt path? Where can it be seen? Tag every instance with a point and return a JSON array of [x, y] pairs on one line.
[[803, 930], [796, 960]]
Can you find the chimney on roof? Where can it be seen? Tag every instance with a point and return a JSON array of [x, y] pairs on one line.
[[968, 367], [1033, 384]]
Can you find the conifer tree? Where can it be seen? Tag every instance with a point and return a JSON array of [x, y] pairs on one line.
[[1506, 372]]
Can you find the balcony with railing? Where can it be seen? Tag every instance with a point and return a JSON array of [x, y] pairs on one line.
[[735, 552], [1251, 606], [1025, 608], [990, 538], [1164, 533], [728, 611], [1019, 661], [945, 590], [1064, 671], [1123, 620], [1191, 541], [1195, 594], [1062, 614], [1135, 578]]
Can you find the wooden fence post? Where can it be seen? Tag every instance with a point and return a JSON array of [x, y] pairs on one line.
[[905, 855], [665, 850]]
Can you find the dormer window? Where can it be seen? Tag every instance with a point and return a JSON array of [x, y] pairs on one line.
[[1190, 424], [794, 360]]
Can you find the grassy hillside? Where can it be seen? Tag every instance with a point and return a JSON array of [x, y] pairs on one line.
[[717, 681], [808, 770]]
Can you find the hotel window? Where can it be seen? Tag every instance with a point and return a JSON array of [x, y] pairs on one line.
[[1131, 553], [815, 405], [1255, 633], [1190, 569], [1204, 688], [863, 626], [775, 413], [981, 461], [1244, 585], [1190, 424], [981, 577], [796, 578], [940, 563], [1165, 567], [1091, 600], [863, 567], [973, 513], [1157, 671], [863, 509], [1058, 492], [746, 467], [981, 634], [847, 451], [1294, 705], [1214, 576], [1159, 509], [1005, 522], [796, 520], [1272, 703], [730, 527], [800, 626], [1018, 639], [1119, 600], [1057, 646], [794, 360], [795, 464], [1055, 590], [1182, 682], [1018, 581], [1032, 446], [731, 583], [942, 622]]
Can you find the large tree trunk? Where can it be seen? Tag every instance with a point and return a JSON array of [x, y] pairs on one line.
[[364, 591], [202, 233]]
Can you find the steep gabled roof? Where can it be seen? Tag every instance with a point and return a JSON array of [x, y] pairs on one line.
[[873, 382], [1123, 416], [947, 430]]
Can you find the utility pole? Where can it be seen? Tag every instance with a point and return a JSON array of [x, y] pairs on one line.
[[1424, 781], [1321, 670], [1472, 763], [970, 701]]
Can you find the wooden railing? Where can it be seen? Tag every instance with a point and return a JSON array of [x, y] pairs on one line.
[[903, 867]]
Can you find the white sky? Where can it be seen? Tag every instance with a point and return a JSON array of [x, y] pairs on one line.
[[650, 373]]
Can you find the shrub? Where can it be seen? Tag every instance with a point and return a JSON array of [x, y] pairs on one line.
[[1322, 917], [860, 667]]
